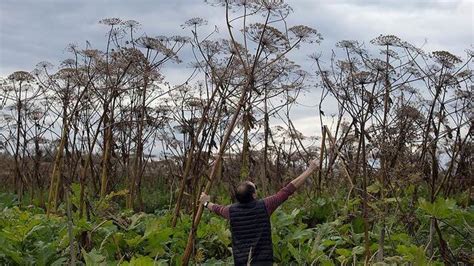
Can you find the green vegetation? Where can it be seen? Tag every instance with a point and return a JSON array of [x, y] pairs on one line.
[[324, 230]]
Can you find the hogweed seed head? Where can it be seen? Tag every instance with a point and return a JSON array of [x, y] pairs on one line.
[[21, 76], [110, 21], [194, 22], [131, 24], [306, 34], [44, 65], [446, 59], [348, 44], [387, 40]]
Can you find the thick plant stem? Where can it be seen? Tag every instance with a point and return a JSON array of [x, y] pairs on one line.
[[266, 137], [36, 169], [215, 167], [138, 161], [88, 164], [56, 174], [383, 160], [245, 168], [344, 166], [108, 122], [105, 163], [321, 157], [70, 225], [83, 187], [18, 178], [189, 159], [365, 200]]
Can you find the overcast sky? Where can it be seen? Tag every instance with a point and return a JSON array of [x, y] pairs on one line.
[[39, 30]]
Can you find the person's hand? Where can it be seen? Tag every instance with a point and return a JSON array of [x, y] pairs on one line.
[[204, 197], [314, 164]]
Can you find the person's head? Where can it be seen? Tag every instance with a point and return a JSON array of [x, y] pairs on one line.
[[246, 192]]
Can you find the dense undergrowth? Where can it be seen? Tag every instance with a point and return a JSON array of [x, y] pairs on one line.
[[308, 229]]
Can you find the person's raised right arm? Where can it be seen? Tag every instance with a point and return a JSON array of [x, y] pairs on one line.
[[216, 208]]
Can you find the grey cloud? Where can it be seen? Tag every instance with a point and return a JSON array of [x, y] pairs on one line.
[[32, 31], [395, 4]]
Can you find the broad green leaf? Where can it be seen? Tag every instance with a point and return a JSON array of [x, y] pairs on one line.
[[142, 261], [344, 252], [358, 250], [157, 241], [374, 188], [93, 257], [413, 254], [328, 242], [133, 242], [442, 208]]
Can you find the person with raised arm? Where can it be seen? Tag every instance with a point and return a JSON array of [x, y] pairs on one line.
[[250, 219]]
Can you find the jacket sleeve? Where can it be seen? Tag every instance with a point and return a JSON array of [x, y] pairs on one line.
[[272, 202], [221, 210]]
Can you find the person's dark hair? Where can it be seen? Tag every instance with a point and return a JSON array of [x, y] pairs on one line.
[[244, 193]]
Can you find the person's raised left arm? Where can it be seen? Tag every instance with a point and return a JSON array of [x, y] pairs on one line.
[[272, 202]]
